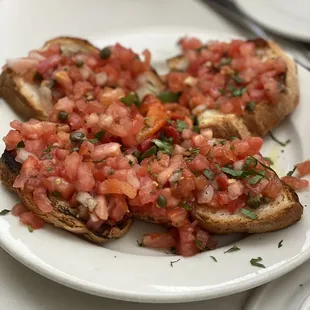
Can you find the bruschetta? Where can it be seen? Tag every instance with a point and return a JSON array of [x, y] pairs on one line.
[[68, 66], [239, 88]]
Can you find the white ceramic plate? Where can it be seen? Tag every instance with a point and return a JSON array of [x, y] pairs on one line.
[[123, 270], [291, 292], [285, 17]]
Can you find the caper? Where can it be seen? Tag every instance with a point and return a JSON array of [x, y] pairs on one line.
[[63, 116], [161, 201], [77, 137], [105, 53]]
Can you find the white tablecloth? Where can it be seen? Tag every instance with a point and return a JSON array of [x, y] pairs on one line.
[[26, 24]]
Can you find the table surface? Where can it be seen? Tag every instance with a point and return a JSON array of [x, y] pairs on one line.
[[24, 25]]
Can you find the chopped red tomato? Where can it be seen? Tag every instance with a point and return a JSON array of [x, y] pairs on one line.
[[158, 240], [303, 168], [11, 139], [295, 183], [18, 209], [41, 200], [32, 220], [85, 180], [114, 186], [117, 207]]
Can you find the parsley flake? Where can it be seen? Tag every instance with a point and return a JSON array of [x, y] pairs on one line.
[[5, 211], [252, 215], [232, 249], [278, 141], [256, 262], [213, 258], [175, 261], [181, 125]]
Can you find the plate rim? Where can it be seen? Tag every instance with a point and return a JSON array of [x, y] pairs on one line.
[[270, 26]]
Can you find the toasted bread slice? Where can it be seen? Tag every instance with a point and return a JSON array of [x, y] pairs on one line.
[[284, 211], [265, 116], [29, 102], [25, 98], [63, 216]]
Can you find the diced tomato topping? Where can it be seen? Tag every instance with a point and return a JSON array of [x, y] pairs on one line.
[[158, 240], [18, 209], [31, 220], [41, 200], [12, 139], [114, 186], [295, 183], [117, 207], [303, 168]]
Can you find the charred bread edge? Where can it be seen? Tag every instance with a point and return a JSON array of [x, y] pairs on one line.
[[60, 216]]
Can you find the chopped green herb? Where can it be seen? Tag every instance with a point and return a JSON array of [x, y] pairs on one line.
[[169, 121], [208, 174], [79, 63], [234, 173], [93, 141], [191, 154], [75, 149], [168, 96], [100, 134], [105, 53], [56, 194], [237, 78], [30, 228], [232, 138], [222, 91], [256, 262], [239, 92], [225, 61], [232, 249], [49, 169], [173, 250], [196, 129], [62, 116], [231, 88], [280, 244], [163, 146], [278, 141], [251, 106], [162, 201], [136, 154], [186, 206], [254, 180], [291, 172], [254, 202], [5, 211], [181, 125], [130, 163], [265, 199], [77, 137], [20, 144], [270, 161], [47, 149], [252, 215], [111, 172], [139, 243], [130, 99], [154, 175], [175, 261], [148, 153], [213, 258], [198, 243]]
